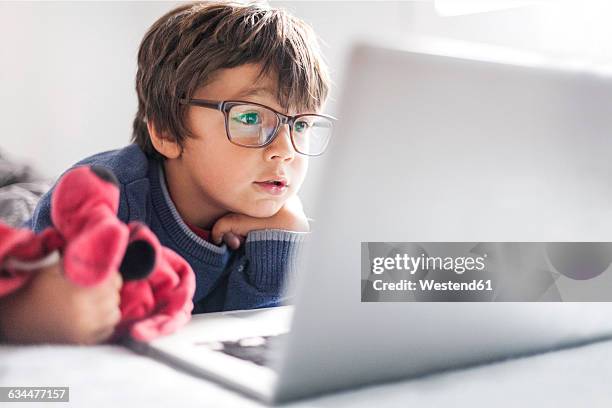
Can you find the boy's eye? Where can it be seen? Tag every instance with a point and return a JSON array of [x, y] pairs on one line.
[[301, 126], [248, 118]]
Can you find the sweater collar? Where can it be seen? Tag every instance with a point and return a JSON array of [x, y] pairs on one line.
[[183, 237]]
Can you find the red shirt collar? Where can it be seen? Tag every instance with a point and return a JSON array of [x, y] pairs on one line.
[[200, 232]]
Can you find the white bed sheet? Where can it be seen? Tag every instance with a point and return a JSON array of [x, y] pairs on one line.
[[113, 376]]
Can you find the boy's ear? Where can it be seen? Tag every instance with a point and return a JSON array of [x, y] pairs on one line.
[[165, 145]]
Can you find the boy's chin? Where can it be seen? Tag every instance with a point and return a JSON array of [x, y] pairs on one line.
[[264, 209]]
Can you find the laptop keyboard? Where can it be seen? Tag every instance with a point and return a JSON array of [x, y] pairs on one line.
[[254, 349]]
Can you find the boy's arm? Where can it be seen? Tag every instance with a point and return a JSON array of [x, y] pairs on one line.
[[233, 228], [269, 256], [41, 218], [257, 279]]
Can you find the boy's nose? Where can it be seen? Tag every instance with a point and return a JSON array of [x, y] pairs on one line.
[[281, 148]]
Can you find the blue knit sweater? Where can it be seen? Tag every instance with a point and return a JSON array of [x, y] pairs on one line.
[[250, 277]]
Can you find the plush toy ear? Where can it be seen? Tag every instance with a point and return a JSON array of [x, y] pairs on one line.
[[83, 197], [91, 256], [141, 254], [105, 174]]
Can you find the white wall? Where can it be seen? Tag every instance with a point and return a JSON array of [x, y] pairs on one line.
[[67, 69], [576, 30], [67, 78]]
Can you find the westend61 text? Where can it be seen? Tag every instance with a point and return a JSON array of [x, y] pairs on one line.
[[430, 284]]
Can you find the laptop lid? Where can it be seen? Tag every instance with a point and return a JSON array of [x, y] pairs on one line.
[[444, 148]]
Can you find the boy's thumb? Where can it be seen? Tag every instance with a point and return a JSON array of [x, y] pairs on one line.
[[231, 240]]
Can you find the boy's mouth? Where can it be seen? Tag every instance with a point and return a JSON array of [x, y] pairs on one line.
[[273, 186]]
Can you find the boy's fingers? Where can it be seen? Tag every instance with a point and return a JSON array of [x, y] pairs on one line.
[[102, 335], [117, 280], [116, 298], [111, 284], [237, 224], [219, 229], [232, 240], [115, 316], [227, 224], [56, 269], [111, 318], [109, 291]]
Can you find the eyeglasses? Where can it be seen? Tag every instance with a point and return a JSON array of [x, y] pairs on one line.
[[251, 124]]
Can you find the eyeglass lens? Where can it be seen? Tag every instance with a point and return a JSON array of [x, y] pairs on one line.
[[253, 125]]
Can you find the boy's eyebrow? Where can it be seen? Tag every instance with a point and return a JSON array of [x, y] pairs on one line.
[[256, 90]]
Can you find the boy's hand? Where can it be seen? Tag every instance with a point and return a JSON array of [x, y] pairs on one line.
[[52, 309], [233, 228]]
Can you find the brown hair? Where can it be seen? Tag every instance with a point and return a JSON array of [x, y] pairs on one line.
[[182, 50]]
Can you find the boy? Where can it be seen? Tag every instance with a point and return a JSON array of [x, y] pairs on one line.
[[228, 102]]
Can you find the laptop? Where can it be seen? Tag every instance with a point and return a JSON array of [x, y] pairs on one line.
[[431, 146]]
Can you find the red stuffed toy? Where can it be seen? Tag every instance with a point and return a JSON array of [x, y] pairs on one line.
[[158, 285]]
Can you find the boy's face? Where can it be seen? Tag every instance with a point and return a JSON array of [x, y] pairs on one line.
[[214, 176]]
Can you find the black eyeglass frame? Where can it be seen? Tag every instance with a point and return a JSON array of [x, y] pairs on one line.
[[226, 106]]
